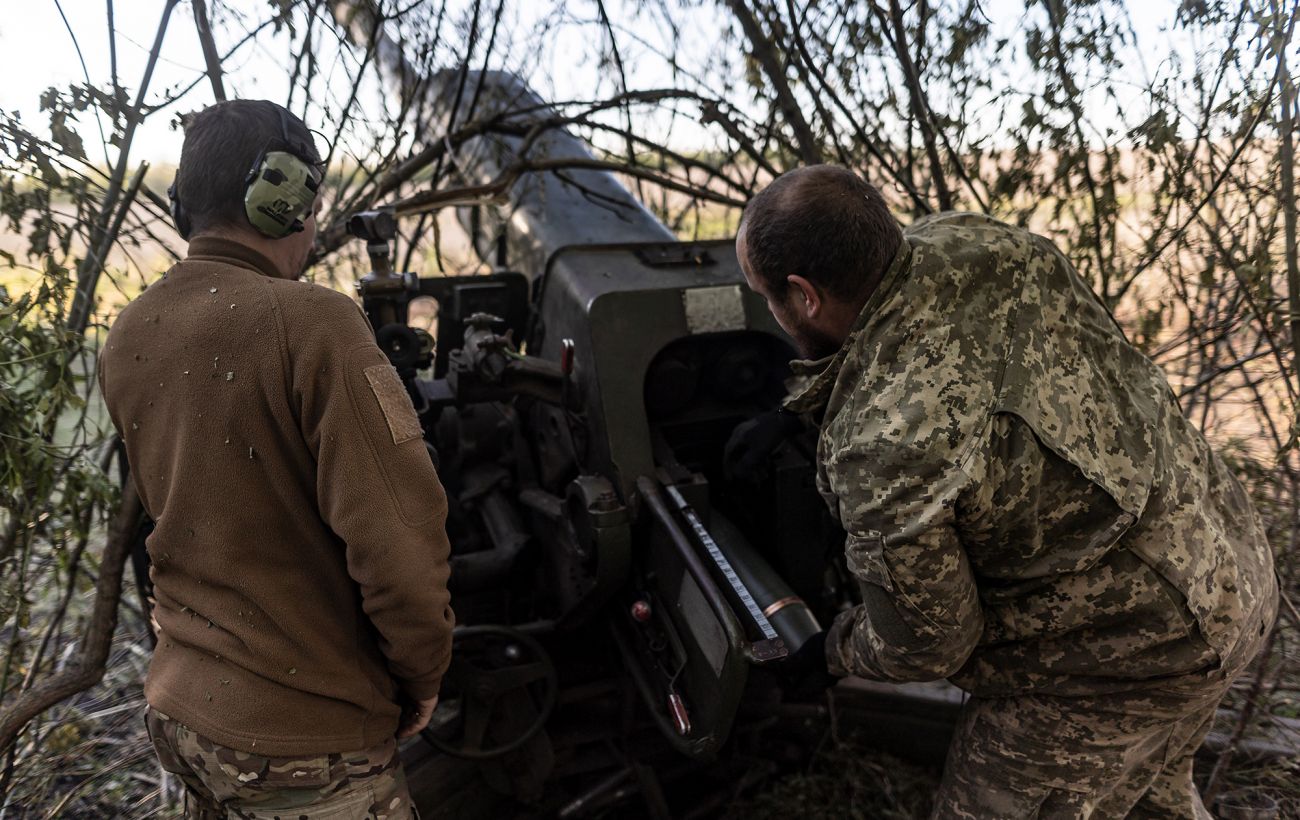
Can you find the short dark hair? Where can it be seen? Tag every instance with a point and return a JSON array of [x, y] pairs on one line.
[[824, 223], [221, 144]]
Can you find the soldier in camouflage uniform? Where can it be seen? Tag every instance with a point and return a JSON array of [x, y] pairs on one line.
[[1027, 510]]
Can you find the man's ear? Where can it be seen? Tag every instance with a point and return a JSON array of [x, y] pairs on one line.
[[807, 297]]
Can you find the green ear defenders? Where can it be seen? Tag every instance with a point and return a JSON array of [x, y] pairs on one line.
[[279, 189]]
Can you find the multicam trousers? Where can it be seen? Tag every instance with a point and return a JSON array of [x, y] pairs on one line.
[[225, 783], [1126, 754]]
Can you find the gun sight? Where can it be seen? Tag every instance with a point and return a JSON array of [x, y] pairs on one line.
[[373, 226]]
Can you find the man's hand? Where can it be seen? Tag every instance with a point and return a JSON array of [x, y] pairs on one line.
[[752, 443], [805, 674], [416, 716]]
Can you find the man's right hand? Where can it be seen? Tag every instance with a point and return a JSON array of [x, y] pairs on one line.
[[748, 450], [805, 674], [416, 716]]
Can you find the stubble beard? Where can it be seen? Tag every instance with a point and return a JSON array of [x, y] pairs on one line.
[[812, 343]]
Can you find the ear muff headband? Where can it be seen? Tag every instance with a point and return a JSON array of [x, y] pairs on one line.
[[279, 190], [179, 218]]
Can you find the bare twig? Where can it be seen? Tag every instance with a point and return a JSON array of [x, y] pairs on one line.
[[210, 58], [495, 190], [93, 262], [1287, 194], [1244, 718]]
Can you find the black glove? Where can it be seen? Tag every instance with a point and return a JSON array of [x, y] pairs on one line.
[[804, 675], [752, 443]]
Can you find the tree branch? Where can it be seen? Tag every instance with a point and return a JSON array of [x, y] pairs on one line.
[[765, 53], [92, 264], [89, 668], [209, 48], [498, 188], [892, 25], [1287, 194]]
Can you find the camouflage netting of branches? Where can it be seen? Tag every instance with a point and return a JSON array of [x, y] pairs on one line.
[[1156, 152]]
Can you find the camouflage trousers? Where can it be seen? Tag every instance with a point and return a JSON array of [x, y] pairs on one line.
[[225, 783], [1126, 754]]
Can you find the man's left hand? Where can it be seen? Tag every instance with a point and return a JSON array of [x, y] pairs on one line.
[[416, 716]]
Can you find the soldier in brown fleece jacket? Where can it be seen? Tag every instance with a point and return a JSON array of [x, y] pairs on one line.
[[300, 556]]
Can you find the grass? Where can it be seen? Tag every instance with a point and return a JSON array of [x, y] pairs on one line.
[[91, 756], [1278, 779], [846, 779], [95, 760]]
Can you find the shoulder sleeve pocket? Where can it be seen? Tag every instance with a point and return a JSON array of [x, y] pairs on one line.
[[901, 608], [394, 402]]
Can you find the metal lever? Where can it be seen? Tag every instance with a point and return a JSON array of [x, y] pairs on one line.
[[759, 652]]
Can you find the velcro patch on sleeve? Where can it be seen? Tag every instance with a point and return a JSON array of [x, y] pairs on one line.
[[398, 412]]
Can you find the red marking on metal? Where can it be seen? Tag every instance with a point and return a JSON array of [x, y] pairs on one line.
[[681, 719]]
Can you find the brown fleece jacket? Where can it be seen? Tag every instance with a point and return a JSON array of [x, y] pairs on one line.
[[300, 556]]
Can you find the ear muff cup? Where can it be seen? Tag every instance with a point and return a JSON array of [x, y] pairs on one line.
[[279, 190], [279, 194]]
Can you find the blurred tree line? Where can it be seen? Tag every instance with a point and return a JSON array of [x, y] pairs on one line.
[[1160, 160]]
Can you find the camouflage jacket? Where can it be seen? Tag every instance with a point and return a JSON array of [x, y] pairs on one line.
[[1026, 507]]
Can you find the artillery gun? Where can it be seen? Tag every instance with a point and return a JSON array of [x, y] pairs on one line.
[[623, 603], [615, 589]]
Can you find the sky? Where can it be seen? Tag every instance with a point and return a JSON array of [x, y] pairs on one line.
[[37, 51]]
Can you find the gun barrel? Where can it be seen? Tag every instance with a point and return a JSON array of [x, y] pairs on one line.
[[546, 211]]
